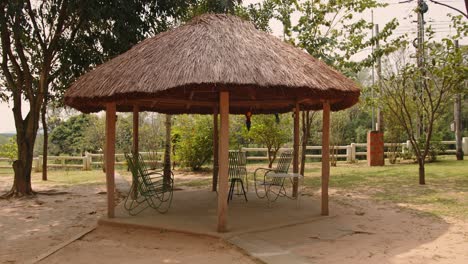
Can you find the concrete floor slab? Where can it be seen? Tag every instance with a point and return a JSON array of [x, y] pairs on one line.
[[194, 211]]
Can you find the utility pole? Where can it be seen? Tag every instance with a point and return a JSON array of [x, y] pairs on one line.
[[457, 121], [373, 77], [380, 118], [421, 9]]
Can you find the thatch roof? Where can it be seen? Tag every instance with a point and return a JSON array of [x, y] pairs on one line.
[[182, 70]]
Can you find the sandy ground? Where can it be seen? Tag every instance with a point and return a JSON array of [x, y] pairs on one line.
[[32, 226], [121, 245], [363, 231]]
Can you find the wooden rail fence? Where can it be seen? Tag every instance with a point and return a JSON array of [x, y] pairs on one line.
[[350, 152]]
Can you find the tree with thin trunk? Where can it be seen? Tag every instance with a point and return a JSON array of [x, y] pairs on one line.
[[46, 138], [307, 120], [271, 133], [411, 92], [46, 44]]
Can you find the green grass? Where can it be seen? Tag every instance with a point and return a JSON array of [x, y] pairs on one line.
[[445, 192], [196, 183], [5, 172], [70, 177]]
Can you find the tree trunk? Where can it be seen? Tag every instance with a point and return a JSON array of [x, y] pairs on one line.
[[26, 132], [303, 157], [422, 174], [270, 158], [306, 125], [23, 165], [167, 149], [458, 130], [46, 140]]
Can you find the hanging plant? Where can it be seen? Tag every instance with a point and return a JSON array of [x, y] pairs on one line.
[[247, 120]]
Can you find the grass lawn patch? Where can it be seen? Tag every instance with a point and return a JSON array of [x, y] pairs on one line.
[[445, 192], [70, 177]]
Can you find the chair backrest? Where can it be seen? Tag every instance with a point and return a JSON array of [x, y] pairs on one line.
[[284, 162], [139, 171], [237, 163]]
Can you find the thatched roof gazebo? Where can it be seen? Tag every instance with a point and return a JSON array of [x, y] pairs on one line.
[[213, 64]]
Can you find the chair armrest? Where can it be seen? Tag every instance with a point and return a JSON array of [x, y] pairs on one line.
[[160, 175], [267, 170]]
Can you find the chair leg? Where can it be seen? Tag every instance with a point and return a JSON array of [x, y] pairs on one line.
[[243, 190], [231, 190], [247, 182]]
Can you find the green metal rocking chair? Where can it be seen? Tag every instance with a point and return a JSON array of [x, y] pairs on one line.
[[149, 188], [265, 184]]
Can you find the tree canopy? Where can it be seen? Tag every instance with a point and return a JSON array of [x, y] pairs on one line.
[[46, 44]]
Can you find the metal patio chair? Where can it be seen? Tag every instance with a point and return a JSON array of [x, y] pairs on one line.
[[149, 188], [269, 184], [237, 173]]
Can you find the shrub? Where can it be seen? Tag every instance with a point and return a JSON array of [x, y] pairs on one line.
[[9, 149], [195, 145]]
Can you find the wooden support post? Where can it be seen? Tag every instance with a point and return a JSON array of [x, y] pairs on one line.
[[167, 150], [215, 149], [223, 161], [325, 156], [110, 157], [296, 149], [136, 113], [135, 145]]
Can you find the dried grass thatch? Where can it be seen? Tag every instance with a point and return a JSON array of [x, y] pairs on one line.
[[182, 71]]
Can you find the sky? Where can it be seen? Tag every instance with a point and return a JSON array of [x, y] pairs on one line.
[[436, 16]]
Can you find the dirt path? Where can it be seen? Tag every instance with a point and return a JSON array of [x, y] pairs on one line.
[[123, 245], [363, 231], [32, 226]]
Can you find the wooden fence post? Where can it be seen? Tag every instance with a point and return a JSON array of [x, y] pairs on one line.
[[349, 154], [85, 163], [39, 164], [465, 146]]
